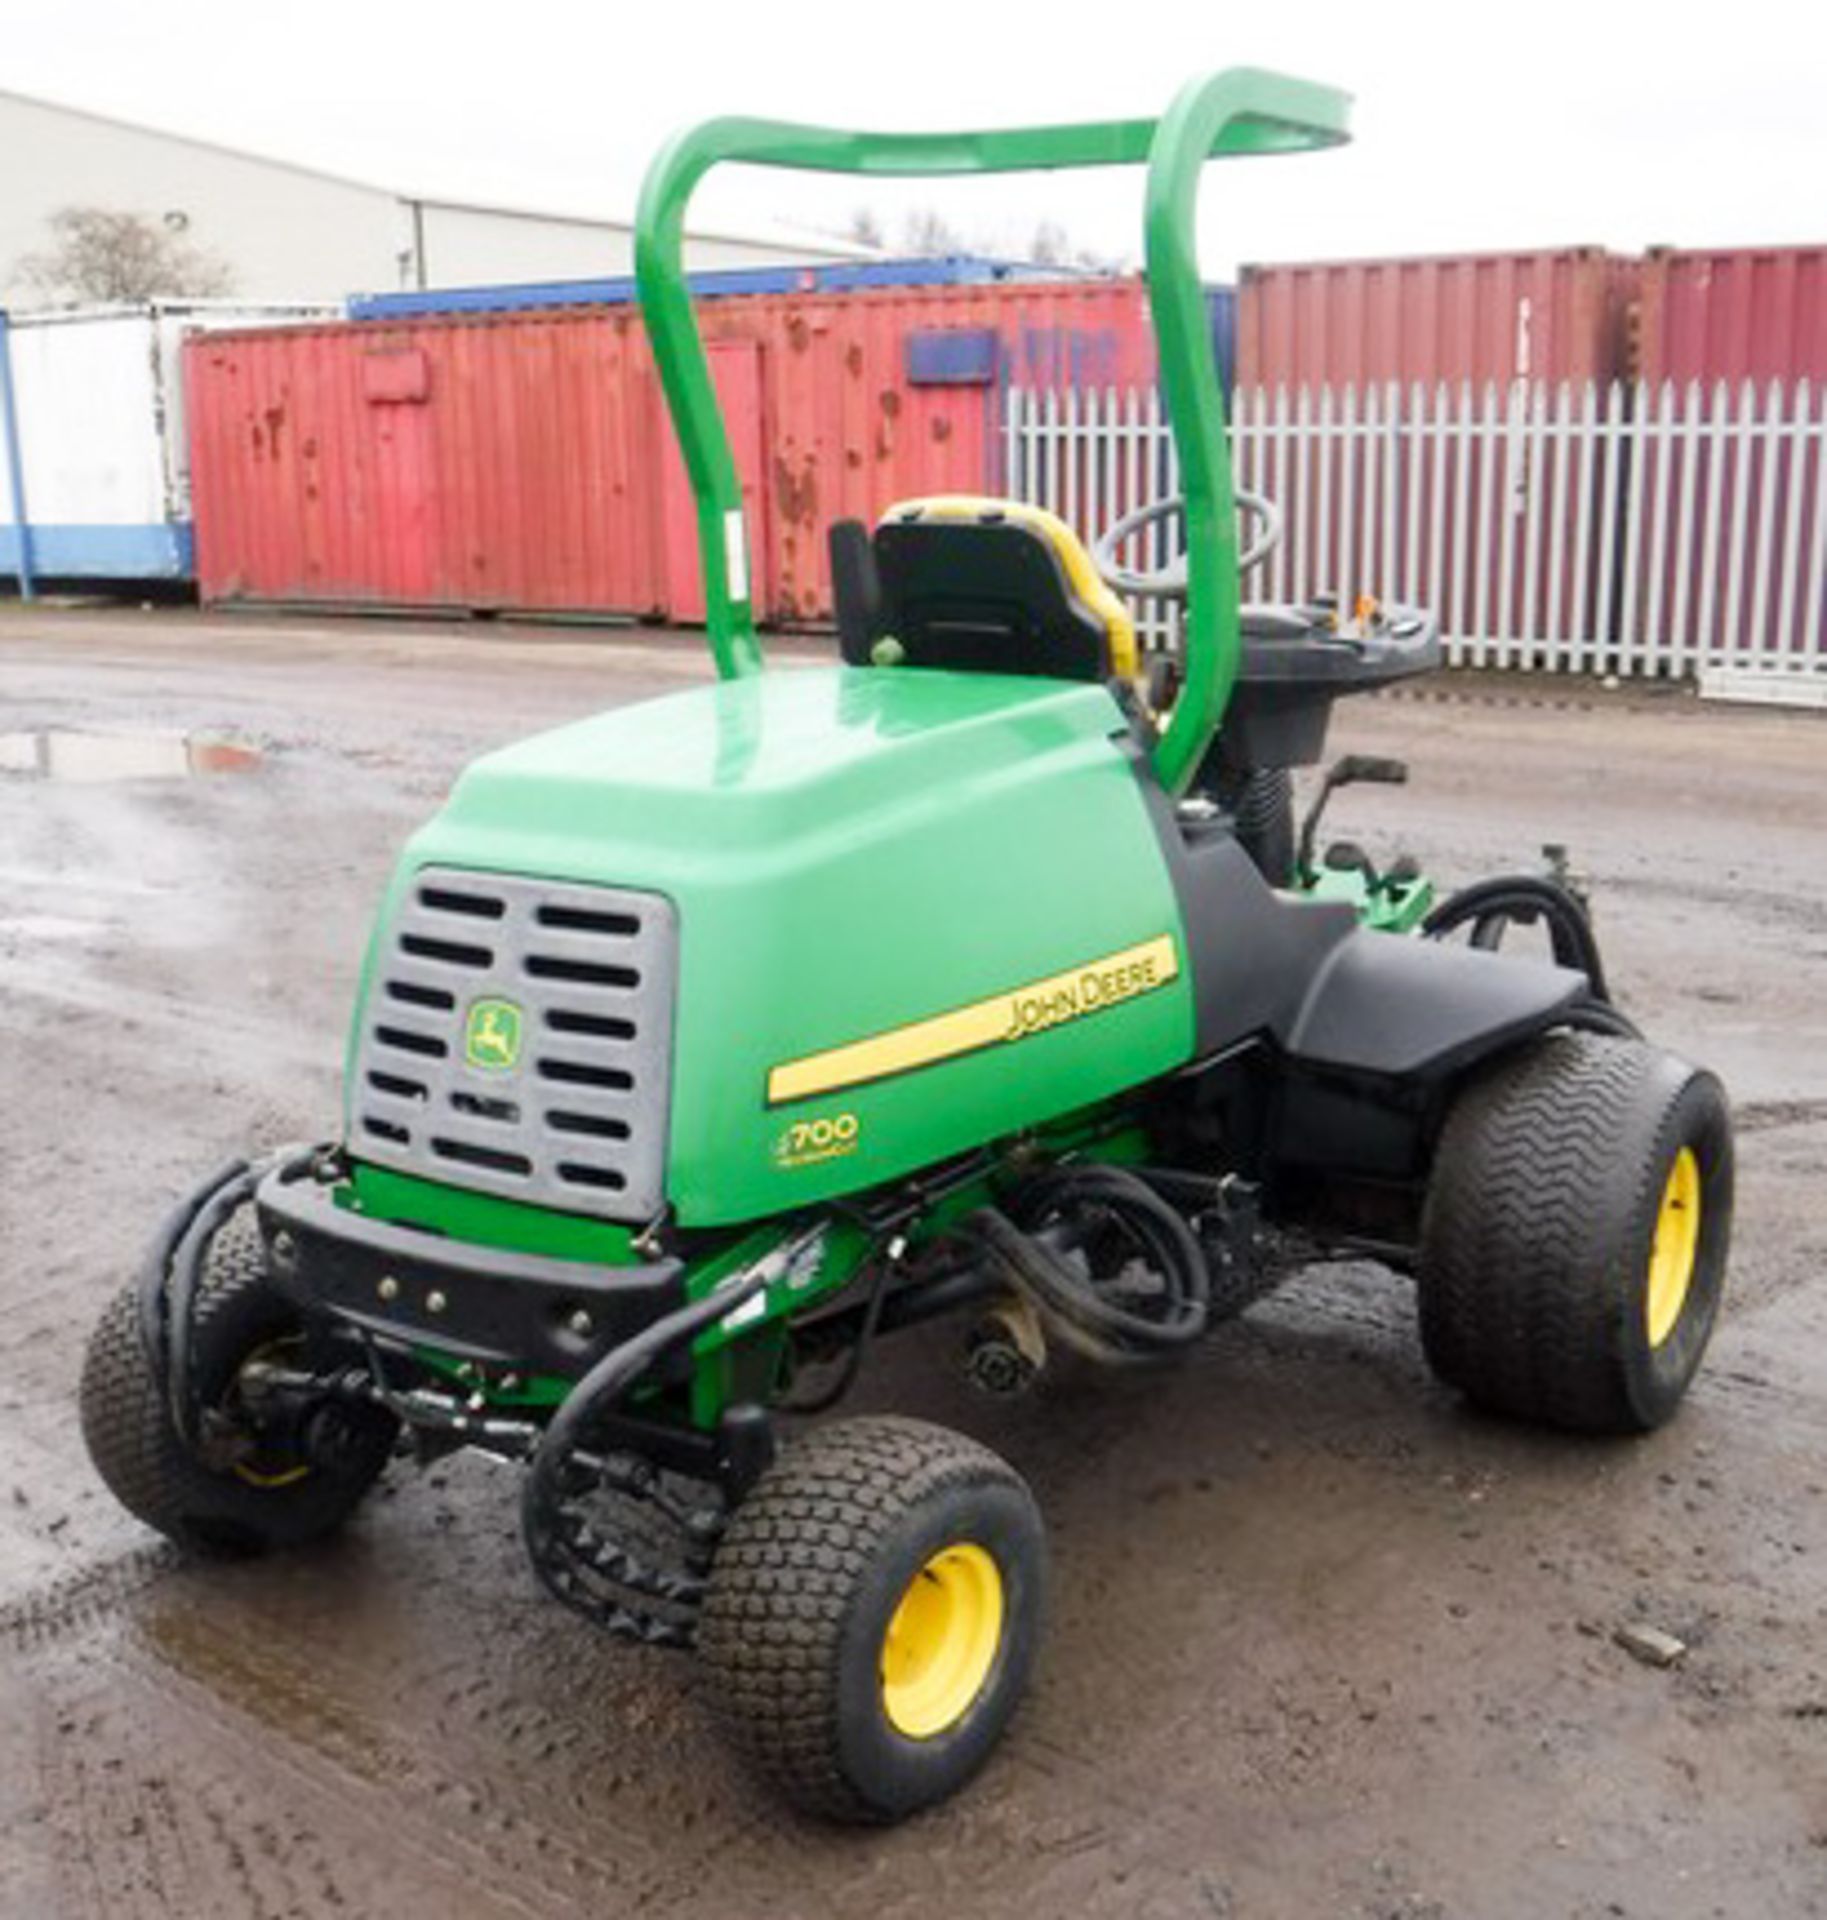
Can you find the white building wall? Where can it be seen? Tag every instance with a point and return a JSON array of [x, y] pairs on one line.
[[477, 246], [473, 246], [286, 234], [289, 234]]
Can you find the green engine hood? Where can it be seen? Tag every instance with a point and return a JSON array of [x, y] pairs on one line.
[[855, 853]]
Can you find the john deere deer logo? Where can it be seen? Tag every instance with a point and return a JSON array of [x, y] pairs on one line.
[[491, 1035]]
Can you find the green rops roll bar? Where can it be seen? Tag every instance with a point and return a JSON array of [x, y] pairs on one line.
[[1239, 111]]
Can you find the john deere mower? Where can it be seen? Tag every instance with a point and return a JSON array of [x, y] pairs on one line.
[[703, 1044]]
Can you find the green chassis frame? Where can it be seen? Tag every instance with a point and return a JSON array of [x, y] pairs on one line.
[[1237, 112]]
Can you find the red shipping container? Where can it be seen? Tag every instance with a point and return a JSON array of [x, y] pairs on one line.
[[510, 470], [1739, 313], [1498, 317], [524, 460]]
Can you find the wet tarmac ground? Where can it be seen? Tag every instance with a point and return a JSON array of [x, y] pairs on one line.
[[1323, 1643]]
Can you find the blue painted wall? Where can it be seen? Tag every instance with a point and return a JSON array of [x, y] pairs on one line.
[[162, 552]]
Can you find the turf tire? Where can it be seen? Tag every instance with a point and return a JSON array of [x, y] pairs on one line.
[[1539, 1223], [128, 1430], [806, 1581]]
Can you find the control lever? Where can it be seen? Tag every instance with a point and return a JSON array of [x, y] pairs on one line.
[[1371, 767], [1346, 856], [1348, 771]]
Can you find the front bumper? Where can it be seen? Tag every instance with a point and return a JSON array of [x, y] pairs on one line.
[[524, 1312]]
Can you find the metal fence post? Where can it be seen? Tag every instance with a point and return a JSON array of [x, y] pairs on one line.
[[15, 460]]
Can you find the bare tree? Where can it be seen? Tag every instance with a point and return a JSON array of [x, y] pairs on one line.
[[1051, 245], [926, 234], [865, 228], [99, 254]]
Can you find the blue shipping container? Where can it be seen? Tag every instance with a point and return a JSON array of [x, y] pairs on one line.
[[849, 276]]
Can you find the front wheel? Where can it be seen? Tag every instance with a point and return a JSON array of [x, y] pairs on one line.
[[1574, 1241], [265, 1493], [873, 1614]]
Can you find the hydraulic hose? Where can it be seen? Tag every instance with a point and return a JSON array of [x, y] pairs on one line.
[[603, 1386], [155, 1267], [1524, 896], [1081, 1309], [171, 1274], [1600, 1016]]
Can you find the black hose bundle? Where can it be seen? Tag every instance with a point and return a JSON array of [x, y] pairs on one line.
[[1524, 897], [569, 1559], [171, 1274], [1600, 1016], [1090, 1313]]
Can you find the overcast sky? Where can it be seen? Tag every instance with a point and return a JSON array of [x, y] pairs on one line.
[[1547, 124]]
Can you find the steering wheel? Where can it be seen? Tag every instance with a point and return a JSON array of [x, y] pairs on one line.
[[1169, 582]]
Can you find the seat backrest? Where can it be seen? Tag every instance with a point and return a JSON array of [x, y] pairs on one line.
[[980, 585]]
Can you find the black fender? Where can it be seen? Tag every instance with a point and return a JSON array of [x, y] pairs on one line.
[[1334, 995], [1403, 1008], [1371, 1062]]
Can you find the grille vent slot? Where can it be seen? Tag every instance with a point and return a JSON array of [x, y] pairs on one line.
[[578, 1121]]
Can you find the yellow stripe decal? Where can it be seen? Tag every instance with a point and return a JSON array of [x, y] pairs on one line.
[[1015, 1014]]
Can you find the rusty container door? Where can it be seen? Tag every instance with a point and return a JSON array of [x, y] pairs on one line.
[[312, 466], [546, 465], [1742, 313], [1469, 317]]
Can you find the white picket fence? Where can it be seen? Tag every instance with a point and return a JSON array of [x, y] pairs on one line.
[[1621, 529]]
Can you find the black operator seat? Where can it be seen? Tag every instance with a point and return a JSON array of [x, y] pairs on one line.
[[978, 586]]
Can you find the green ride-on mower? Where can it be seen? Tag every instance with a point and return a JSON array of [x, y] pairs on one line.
[[704, 1043]]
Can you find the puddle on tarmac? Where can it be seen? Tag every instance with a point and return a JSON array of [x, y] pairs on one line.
[[60, 753]]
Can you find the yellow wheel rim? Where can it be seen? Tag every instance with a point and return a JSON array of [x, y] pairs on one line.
[[285, 1477], [942, 1641], [1671, 1257]]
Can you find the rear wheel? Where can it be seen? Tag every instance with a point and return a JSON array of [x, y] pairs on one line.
[[1574, 1242], [873, 1615], [263, 1492]]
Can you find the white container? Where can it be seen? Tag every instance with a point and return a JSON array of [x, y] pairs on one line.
[[97, 431]]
